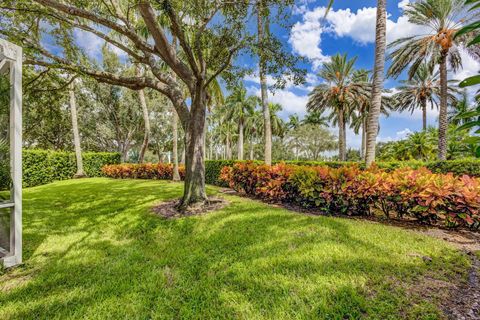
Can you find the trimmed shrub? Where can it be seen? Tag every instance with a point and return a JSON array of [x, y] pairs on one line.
[[469, 167], [157, 171], [407, 193], [45, 166]]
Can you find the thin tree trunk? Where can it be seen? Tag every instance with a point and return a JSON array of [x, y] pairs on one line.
[[263, 87], [228, 148], [342, 149], [424, 114], [240, 140], [378, 77], [442, 117], [251, 149], [176, 174], [364, 139], [146, 121], [76, 135]]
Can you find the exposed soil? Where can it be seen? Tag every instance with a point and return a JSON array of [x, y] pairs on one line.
[[169, 209], [464, 301]]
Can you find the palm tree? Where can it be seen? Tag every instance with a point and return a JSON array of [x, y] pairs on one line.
[[76, 135], [420, 91], [146, 118], [377, 83], [262, 27], [338, 95], [239, 106], [442, 19], [253, 129], [461, 108]]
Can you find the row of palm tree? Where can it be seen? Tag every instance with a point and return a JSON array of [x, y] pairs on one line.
[[350, 96]]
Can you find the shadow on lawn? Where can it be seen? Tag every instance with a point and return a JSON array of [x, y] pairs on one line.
[[93, 251]]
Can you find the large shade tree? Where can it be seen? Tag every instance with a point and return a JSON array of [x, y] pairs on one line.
[[210, 35], [441, 19]]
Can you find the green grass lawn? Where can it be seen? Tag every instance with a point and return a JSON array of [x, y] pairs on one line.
[[94, 250]]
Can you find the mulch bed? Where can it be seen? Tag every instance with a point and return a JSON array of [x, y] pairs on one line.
[[169, 209]]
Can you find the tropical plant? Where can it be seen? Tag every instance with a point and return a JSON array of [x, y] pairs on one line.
[[377, 81], [239, 106], [338, 94], [421, 91], [439, 46]]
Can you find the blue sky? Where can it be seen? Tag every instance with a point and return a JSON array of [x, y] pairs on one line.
[[349, 28]]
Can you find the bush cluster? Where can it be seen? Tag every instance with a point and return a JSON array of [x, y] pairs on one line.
[[45, 166], [404, 193], [159, 171]]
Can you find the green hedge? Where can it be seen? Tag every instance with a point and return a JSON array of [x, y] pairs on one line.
[[45, 166], [469, 167]]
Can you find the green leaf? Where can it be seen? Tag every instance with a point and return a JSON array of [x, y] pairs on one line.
[[474, 41], [467, 126], [470, 81], [468, 28]]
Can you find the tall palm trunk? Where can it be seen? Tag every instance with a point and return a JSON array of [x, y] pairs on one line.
[[228, 148], [342, 148], [76, 135], [423, 103], [378, 77], [240, 140], [251, 149], [364, 138], [146, 121], [263, 87], [176, 174], [442, 117]]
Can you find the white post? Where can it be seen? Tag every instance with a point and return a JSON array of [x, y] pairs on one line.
[[11, 56]]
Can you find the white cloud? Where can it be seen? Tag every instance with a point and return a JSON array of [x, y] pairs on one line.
[[89, 42], [403, 4], [310, 81], [403, 133], [291, 102], [305, 37]]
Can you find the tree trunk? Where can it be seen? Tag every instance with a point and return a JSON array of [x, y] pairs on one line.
[[146, 121], [424, 114], [442, 117], [176, 174], [364, 139], [342, 148], [240, 140], [378, 77], [194, 191], [228, 149], [76, 136], [251, 149], [263, 87]]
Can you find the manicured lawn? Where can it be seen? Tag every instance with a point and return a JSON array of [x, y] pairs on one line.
[[94, 250]]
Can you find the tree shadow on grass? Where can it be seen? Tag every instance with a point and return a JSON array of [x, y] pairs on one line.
[[95, 251]]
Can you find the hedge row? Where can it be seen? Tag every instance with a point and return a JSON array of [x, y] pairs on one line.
[[45, 166], [457, 167], [469, 167], [156, 171], [405, 193]]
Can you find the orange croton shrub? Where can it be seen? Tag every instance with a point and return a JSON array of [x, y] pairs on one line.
[[405, 193], [160, 171]]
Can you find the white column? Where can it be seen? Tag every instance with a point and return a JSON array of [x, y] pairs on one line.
[[13, 55]]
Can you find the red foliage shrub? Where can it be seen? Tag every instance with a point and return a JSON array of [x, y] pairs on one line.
[[160, 171], [419, 194]]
